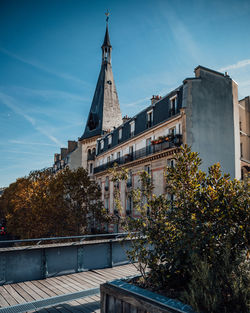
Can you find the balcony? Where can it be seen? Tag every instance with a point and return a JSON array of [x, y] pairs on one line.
[[175, 141], [91, 157]]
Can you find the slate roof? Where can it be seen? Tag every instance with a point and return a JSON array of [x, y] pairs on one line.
[[106, 41], [105, 112]]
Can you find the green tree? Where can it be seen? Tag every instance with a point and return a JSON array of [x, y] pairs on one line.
[[47, 205], [201, 223]]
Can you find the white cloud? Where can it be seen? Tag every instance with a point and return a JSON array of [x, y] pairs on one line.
[[43, 68], [180, 31], [137, 102], [237, 65], [20, 142], [10, 103]]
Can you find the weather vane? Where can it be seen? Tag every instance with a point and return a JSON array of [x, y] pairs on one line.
[[107, 14]]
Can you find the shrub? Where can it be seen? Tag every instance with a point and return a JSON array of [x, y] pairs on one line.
[[188, 230]]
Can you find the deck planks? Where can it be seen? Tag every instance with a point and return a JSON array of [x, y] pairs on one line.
[[29, 291]]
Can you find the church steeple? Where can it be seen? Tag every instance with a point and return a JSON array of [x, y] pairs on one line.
[[106, 46], [105, 111]]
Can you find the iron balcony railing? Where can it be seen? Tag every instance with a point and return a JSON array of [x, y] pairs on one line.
[[175, 141]]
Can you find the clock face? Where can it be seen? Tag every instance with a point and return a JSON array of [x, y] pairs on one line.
[[109, 82]]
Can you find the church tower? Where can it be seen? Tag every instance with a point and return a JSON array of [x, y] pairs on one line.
[[104, 114]]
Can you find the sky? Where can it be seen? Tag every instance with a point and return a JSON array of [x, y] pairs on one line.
[[50, 58]]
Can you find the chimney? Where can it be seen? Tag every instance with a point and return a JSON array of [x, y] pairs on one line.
[[64, 152], [155, 98], [72, 144], [125, 119], [56, 157]]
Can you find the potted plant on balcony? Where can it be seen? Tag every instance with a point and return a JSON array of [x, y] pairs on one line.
[[194, 244]]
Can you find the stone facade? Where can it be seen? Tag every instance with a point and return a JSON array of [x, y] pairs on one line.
[[244, 126], [204, 112]]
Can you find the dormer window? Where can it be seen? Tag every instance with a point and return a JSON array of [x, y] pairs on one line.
[[150, 118], [132, 128], [109, 141], [120, 135], [101, 145], [173, 106]]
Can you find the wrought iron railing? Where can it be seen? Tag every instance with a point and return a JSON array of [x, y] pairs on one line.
[[175, 141]]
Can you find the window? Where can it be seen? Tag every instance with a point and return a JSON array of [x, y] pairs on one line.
[[129, 205], [131, 150], [173, 106], [118, 156], [109, 141], [120, 135], [106, 204], [132, 128], [240, 126], [241, 150], [149, 118], [148, 170], [108, 159], [107, 183], [102, 145], [129, 181], [171, 163], [148, 146], [91, 168], [172, 131]]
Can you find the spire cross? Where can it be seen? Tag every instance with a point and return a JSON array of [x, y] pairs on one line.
[[107, 16]]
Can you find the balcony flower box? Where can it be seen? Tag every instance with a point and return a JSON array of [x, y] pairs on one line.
[[161, 139], [120, 296]]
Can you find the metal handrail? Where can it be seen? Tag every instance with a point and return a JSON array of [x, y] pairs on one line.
[[39, 240]]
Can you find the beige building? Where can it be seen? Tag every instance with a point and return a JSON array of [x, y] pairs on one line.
[[244, 108], [203, 112]]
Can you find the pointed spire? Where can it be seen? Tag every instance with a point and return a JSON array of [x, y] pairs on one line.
[[106, 42], [105, 112]]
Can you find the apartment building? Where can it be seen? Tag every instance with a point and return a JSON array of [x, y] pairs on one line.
[[203, 112], [244, 125]]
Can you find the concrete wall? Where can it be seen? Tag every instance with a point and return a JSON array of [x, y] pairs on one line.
[[211, 119]]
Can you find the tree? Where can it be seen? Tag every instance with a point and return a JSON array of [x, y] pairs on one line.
[[46, 205], [199, 226]]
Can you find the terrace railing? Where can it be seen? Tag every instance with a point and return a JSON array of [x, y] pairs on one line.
[[175, 141]]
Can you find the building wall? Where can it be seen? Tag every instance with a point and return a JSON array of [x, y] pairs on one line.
[[211, 119], [157, 163], [244, 112], [75, 158], [244, 108]]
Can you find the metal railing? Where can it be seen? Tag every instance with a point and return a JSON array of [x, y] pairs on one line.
[[176, 141], [81, 238]]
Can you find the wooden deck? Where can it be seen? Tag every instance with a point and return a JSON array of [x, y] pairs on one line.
[[14, 294]]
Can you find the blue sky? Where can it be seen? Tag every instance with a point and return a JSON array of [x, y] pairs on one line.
[[50, 56]]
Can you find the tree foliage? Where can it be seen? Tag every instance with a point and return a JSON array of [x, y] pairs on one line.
[[46, 205], [200, 226]]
